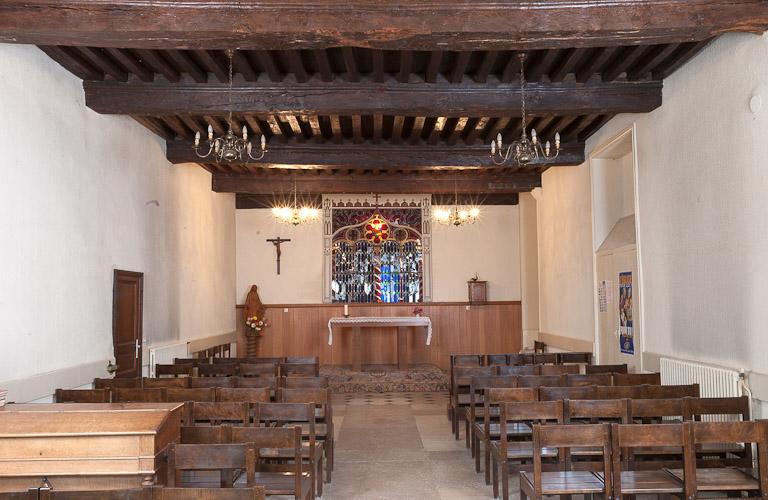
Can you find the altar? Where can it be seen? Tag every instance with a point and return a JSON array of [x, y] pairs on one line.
[[403, 325]]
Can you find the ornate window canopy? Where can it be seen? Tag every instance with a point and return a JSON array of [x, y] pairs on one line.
[[376, 248]]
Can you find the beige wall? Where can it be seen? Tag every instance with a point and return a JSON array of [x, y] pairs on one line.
[[490, 247], [82, 194], [529, 267]]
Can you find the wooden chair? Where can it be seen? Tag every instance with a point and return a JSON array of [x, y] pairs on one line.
[[583, 358], [629, 481], [519, 370], [255, 493], [303, 360], [670, 391], [114, 383], [731, 480], [459, 360], [324, 428], [244, 395], [30, 494], [559, 369], [174, 370], [476, 408], [299, 370], [226, 360], [539, 483], [620, 392], [292, 414], [224, 458], [304, 382], [592, 369], [117, 494], [128, 395], [721, 409], [590, 379], [82, 396], [539, 347], [206, 434], [521, 359], [151, 383], [541, 381], [555, 393], [545, 358], [273, 360], [496, 359], [197, 382], [258, 370], [657, 411], [459, 398], [505, 453], [491, 429], [217, 370], [189, 361], [596, 411], [636, 378], [254, 382], [200, 394], [278, 477], [216, 413]]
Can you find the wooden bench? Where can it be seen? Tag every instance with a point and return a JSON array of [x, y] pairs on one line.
[[321, 398], [82, 396], [198, 459]]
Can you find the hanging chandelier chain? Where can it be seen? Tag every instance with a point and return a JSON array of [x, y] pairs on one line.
[[522, 89], [230, 55]]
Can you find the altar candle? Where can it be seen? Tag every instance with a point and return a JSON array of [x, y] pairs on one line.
[[346, 309]]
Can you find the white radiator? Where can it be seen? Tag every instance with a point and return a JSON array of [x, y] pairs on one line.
[[713, 382], [165, 354]]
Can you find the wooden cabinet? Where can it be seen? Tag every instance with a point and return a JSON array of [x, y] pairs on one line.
[[478, 292], [86, 446]]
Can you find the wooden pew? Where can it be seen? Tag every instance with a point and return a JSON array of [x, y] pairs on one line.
[[224, 458], [590, 369], [82, 396]]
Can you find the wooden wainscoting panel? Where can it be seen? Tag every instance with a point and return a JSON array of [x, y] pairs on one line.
[[302, 330]]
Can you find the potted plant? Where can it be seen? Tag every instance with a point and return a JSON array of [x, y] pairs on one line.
[[255, 325]]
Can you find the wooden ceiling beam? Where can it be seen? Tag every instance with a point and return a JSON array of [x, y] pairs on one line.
[[391, 98], [320, 156], [245, 201], [452, 25], [446, 183]]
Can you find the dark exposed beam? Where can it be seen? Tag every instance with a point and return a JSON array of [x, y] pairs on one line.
[[391, 98], [244, 201], [444, 183], [366, 156], [443, 24]]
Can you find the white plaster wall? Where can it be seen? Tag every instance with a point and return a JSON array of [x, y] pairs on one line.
[[82, 194], [566, 300], [490, 247], [613, 192], [529, 267]]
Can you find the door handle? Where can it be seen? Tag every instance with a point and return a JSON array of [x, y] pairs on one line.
[[138, 346]]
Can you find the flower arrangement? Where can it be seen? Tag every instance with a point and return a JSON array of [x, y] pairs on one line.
[[255, 323], [417, 311]]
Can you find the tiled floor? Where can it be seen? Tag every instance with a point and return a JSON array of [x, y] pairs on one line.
[[399, 446]]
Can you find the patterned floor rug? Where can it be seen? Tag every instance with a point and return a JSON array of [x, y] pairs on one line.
[[382, 378]]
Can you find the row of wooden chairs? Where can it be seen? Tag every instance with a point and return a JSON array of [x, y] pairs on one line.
[[148, 493], [613, 473], [520, 376], [230, 367], [201, 382], [528, 358], [506, 436]]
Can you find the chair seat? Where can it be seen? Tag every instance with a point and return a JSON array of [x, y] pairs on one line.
[[636, 482], [722, 479], [658, 450], [587, 451], [321, 430], [518, 429], [520, 450], [288, 452], [566, 483], [278, 483]]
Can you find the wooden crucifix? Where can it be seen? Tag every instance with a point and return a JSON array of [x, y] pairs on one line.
[[277, 242]]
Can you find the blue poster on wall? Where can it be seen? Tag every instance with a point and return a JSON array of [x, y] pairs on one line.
[[626, 336]]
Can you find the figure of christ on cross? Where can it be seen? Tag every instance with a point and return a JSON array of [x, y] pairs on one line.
[[277, 242]]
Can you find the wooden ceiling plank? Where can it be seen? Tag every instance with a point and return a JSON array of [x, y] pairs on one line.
[[418, 128], [452, 25], [357, 129], [128, 61], [511, 70], [257, 126], [215, 124], [242, 65], [574, 129], [391, 98], [433, 66], [684, 54], [457, 131], [267, 62], [489, 58], [103, 61], [193, 125], [599, 58], [378, 125], [594, 126], [534, 70], [622, 61], [497, 126], [477, 130], [314, 125], [566, 64], [73, 62], [352, 74], [159, 64], [247, 201], [377, 58], [210, 60], [175, 124], [436, 130], [649, 61], [276, 129], [323, 65], [296, 65], [158, 128], [295, 127], [188, 65], [338, 135], [460, 66], [397, 129], [406, 61]]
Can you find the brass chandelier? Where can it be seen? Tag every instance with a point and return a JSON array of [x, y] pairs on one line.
[[457, 215], [230, 147], [524, 150], [295, 214]]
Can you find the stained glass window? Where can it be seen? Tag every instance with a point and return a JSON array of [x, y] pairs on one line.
[[376, 254]]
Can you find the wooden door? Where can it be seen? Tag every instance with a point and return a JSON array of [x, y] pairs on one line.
[[609, 266], [127, 318]]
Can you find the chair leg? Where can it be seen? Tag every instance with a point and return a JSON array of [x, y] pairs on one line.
[[504, 480], [319, 476], [487, 452], [467, 444], [495, 470], [476, 440]]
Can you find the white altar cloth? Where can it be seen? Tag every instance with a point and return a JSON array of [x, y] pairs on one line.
[[380, 321]]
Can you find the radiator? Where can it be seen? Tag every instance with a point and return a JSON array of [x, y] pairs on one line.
[[713, 382], [165, 354]]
